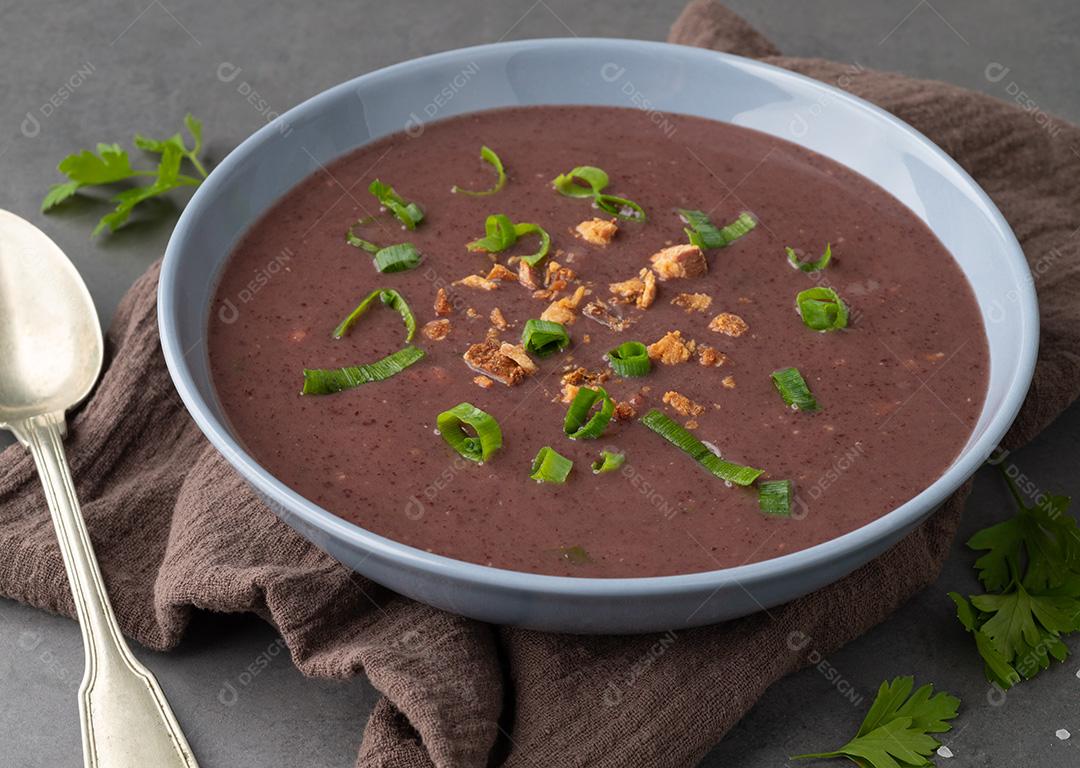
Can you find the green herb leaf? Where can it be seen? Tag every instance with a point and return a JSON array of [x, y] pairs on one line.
[[390, 298], [544, 337], [409, 214], [702, 233], [325, 381], [810, 266], [110, 164], [550, 466], [478, 447], [792, 388], [681, 438], [822, 309], [630, 359], [487, 155], [896, 730], [579, 424]]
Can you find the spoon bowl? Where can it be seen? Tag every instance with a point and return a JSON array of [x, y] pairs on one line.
[[50, 339]]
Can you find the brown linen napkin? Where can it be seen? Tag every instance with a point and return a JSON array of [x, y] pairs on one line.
[[176, 530]]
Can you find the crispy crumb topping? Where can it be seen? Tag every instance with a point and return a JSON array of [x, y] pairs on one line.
[[477, 282], [609, 316], [487, 357], [624, 411], [728, 382], [502, 274], [443, 306], [483, 381], [671, 349], [564, 310], [728, 324], [583, 376], [436, 330], [682, 404], [597, 231], [678, 261], [497, 319], [711, 358], [518, 354], [693, 302]]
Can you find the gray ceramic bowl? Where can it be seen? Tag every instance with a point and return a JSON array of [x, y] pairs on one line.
[[658, 78]]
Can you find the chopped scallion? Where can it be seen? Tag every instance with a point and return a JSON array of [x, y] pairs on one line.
[[681, 437], [609, 461], [810, 266], [487, 155], [596, 181], [325, 381], [580, 422], [501, 233], [409, 214], [774, 497], [704, 234], [550, 466], [397, 258], [544, 337], [629, 359], [822, 309], [477, 447], [792, 387], [389, 297]]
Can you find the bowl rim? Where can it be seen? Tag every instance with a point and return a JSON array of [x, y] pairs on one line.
[[902, 517]]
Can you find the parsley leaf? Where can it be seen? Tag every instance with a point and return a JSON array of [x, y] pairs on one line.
[[110, 164], [896, 731], [1031, 569]]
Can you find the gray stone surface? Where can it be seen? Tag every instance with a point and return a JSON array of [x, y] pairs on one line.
[[145, 63]]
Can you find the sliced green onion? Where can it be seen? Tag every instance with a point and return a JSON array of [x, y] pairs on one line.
[[478, 447], [810, 266], [544, 337], [397, 258], [822, 309], [389, 297], [487, 155], [774, 497], [629, 359], [358, 242], [580, 422], [620, 207], [500, 233], [409, 214], [533, 259], [680, 437], [550, 467], [595, 178], [704, 234], [792, 387], [575, 555], [609, 461], [325, 381]]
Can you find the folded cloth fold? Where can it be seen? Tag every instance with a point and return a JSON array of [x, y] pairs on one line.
[[176, 529]]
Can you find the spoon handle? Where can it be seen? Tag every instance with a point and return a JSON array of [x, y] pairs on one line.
[[126, 721]]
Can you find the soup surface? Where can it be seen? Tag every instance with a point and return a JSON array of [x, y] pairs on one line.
[[899, 389]]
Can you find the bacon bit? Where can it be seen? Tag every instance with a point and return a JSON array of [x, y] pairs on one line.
[[442, 303], [682, 404], [501, 273], [497, 319], [693, 302], [528, 275], [728, 324], [518, 354], [692, 424], [597, 231], [297, 335], [557, 273], [728, 382], [683, 260], [628, 290], [711, 358], [580, 376], [562, 311], [648, 295], [600, 312], [624, 411], [483, 381], [569, 392], [487, 357], [671, 349], [586, 339], [436, 330], [475, 281], [471, 313]]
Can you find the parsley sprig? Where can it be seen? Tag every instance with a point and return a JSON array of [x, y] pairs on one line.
[[110, 164], [1031, 571], [896, 731]]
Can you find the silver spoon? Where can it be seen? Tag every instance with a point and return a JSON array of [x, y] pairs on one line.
[[50, 357]]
